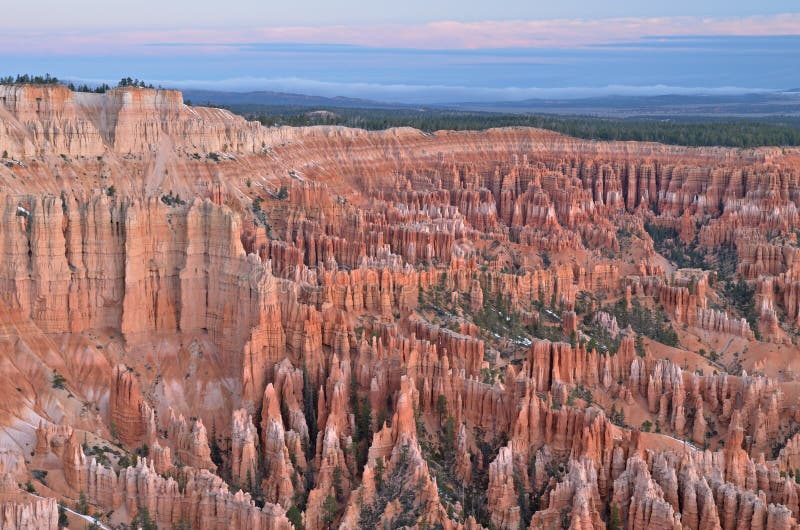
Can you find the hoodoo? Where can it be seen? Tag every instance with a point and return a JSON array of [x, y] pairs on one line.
[[206, 323]]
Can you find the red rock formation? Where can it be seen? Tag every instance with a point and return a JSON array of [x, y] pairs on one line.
[[641, 502], [502, 495], [75, 464], [244, 452], [463, 457], [383, 323], [204, 501], [278, 487], [131, 417], [190, 443], [576, 498], [19, 511], [52, 438]]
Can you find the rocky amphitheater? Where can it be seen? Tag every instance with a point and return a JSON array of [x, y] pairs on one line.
[[210, 324]]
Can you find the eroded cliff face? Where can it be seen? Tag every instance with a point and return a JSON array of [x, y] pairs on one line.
[[508, 328], [52, 120]]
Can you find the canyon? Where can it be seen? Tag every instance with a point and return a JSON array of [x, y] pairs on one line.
[[210, 324]]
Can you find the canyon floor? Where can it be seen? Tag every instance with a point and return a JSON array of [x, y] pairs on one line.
[[210, 324]]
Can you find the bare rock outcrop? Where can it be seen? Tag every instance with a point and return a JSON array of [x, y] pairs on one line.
[[232, 325]]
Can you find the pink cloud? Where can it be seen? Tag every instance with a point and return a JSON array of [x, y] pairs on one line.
[[435, 35]]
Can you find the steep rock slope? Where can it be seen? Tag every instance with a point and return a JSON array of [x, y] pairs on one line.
[[206, 323]]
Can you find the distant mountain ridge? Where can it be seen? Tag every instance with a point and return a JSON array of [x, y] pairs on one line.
[[756, 104], [270, 98]]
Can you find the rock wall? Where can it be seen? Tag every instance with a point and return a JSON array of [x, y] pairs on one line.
[[423, 330]]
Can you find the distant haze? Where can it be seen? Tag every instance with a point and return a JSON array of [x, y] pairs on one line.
[[418, 52]]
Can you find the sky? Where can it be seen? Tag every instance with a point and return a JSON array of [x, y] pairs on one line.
[[415, 51]]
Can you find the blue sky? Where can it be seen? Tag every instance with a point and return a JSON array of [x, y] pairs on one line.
[[81, 14], [416, 51]]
